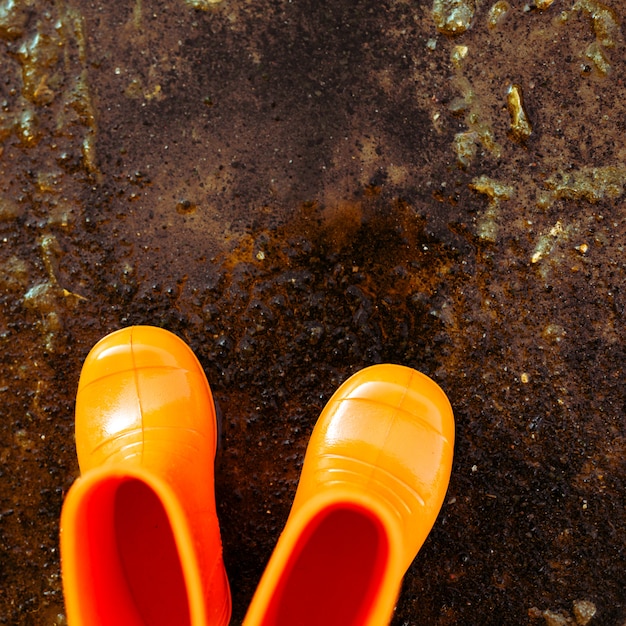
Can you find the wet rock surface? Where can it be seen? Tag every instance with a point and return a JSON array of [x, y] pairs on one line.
[[301, 189]]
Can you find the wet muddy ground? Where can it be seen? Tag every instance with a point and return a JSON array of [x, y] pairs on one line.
[[300, 189]]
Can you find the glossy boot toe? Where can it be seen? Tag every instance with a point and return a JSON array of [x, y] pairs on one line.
[[140, 541], [374, 478]]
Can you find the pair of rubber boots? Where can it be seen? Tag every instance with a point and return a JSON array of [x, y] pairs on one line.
[[140, 540]]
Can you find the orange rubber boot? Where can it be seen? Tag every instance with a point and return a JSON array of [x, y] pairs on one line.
[[140, 541], [374, 478]]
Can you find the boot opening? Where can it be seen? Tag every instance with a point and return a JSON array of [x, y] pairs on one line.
[[129, 571], [149, 557], [335, 572]]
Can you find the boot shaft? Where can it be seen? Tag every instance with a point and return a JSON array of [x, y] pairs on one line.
[[140, 540], [131, 555]]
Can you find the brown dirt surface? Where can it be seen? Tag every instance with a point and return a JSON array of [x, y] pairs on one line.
[[301, 188]]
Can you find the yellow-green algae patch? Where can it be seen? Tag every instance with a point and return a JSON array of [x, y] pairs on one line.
[[465, 145], [458, 55], [547, 241], [453, 17], [478, 129], [53, 64], [47, 298], [589, 183], [606, 28], [203, 5], [496, 192], [597, 56], [497, 13], [493, 189], [520, 125], [604, 21]]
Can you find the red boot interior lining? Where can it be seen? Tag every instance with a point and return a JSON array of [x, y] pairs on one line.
[[334, 573], [149, 556]]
